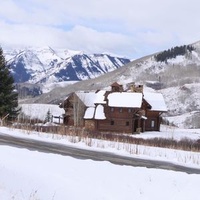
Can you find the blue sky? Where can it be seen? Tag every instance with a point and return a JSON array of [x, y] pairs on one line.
[[131, 28]]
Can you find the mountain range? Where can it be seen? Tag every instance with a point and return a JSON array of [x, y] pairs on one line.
[[176, 75], [46, 65]]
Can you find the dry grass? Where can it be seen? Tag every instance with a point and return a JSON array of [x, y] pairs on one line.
[[80, 134]]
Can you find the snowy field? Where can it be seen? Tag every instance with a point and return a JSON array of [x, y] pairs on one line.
[[39, 111], [30, 175]]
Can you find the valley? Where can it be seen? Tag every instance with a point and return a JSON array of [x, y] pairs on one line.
[[177, 79]]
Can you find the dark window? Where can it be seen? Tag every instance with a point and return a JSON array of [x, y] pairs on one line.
[[127, 123], [112, 122], [120, 109]]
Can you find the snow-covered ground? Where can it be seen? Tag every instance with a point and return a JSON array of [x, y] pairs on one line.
[[30, 175], [51, 85], [39, 111]]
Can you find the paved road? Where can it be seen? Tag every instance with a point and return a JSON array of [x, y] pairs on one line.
[[64, 150]]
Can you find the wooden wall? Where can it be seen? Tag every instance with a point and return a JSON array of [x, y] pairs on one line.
[[153, 121], [118, 120]]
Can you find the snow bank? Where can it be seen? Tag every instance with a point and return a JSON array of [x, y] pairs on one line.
[[30, 175]]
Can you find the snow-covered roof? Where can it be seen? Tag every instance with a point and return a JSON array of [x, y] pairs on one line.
[[87, 98], [156, 100], [89, 113], [90, 98], [100, 97], [99, 113], [118, 99], [125, 99]]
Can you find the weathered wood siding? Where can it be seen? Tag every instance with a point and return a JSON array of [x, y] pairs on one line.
[[115, 125], [153, 121], [74, 111], [118, 120]]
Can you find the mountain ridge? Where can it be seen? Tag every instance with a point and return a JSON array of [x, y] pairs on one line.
[[41, 65]]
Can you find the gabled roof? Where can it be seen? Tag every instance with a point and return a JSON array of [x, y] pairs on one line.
[[87, 98], [100, 97], [94, 102], [89, 113], [125, 99], [156, 100], [91, 98], [99, 113]]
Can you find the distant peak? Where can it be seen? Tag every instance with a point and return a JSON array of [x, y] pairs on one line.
[[69, 53], [45, 48]]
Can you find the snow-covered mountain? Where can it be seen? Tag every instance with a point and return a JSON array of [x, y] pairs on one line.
[[46, 65]]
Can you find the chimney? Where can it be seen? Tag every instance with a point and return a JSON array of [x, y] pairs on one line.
[[132, 87], [139, 88], [115, 87]]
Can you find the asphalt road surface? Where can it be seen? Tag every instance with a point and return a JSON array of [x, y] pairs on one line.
[[46, 147]]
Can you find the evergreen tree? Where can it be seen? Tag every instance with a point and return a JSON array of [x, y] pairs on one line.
[[173, 52], [8, 94], [48, 116]]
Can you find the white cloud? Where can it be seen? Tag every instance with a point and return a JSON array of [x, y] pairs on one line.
[[78, 38], [129, 27], [94, 41]]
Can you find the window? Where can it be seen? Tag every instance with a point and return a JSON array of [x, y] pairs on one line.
[[112, 122], [152, 124], [120, 110], [129, 110], [127, 123], [112, 109]]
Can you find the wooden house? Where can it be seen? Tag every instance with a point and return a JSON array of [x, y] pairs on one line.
[[123, 111]]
